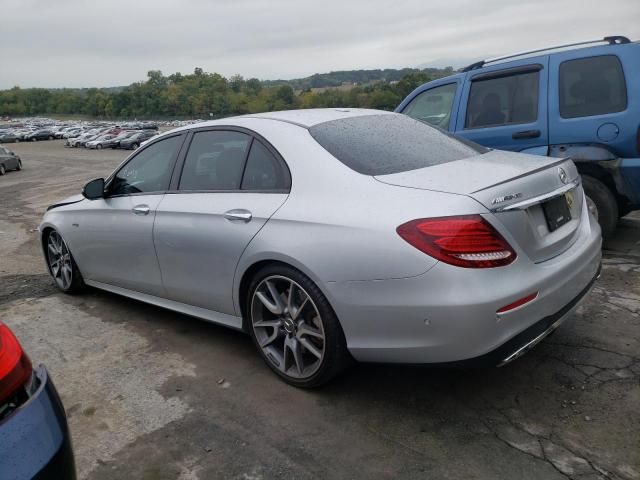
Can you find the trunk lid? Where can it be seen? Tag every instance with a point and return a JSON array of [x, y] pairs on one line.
[[523, 192]]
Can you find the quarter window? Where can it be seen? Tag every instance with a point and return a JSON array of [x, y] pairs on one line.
[[433, 106], [592, 86], [263, 170], [503, 100], [215, 161], [149, 171]]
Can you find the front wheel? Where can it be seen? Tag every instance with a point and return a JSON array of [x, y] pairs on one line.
[[602, 204], [294, 328], [34, 139], [99, 147], [19, 165], [2, 170], [61, 264]]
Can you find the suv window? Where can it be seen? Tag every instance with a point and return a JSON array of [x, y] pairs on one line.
[[389, 143], [503, 100], [592, 86], [263, 170], [433, 106], [149, 171], [215, 161]]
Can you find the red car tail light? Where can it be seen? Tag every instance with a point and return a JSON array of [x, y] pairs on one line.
[[15, 366], [466, 241]]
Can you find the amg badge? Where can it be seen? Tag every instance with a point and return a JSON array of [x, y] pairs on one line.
[[506, 198]]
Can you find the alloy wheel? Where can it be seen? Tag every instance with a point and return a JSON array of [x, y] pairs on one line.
[[60, 261], [288, 327]]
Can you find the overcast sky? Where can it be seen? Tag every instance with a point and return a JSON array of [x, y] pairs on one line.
[[75, 43]]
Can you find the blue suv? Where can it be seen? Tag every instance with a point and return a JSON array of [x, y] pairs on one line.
[[580, 100]]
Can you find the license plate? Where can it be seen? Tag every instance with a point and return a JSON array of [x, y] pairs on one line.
[[556, 212]]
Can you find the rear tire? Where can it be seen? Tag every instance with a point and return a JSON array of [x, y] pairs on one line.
[[605, 204], [134, 146], [303, 329]]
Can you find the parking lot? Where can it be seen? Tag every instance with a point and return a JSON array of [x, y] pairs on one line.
[[152, 394]]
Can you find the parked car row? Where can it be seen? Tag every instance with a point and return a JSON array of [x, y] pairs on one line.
[[42, 129], [99, 138]]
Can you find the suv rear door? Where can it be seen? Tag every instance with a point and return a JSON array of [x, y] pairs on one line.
[[589, 98], [505, 106]]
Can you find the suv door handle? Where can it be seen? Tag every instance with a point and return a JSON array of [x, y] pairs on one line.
[[141, 209], [526, 134], [238, 215]]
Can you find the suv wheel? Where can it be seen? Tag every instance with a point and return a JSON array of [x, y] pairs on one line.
[[602, 204], [294, 328]]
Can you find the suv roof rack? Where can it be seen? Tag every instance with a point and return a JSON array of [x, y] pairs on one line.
[[612, 40]]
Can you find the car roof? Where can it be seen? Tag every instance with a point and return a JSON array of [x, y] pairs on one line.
[[309, 117], [303, 118]]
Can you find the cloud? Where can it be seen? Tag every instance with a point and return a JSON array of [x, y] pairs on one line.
[[79, 43]]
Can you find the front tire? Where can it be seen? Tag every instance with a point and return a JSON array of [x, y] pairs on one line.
[[294, 328], [134, 146], [603, 204], [99, 147], [61, 264], [19, 166], [2, 170]]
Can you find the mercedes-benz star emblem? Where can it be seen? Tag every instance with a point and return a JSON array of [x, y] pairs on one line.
[[562, 174]]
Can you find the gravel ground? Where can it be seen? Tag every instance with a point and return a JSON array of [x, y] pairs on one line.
[[152, 394]]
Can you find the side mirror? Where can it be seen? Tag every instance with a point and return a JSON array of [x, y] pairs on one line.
[[94, 189]]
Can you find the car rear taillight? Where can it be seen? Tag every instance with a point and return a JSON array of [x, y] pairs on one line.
[[465, 241], [15, 366]]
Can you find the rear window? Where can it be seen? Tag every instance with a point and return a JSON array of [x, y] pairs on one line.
[[592, 86], [386, 144]]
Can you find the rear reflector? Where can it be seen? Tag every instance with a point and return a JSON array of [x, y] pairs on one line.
[[466, 241], [517, 303], [15, 366]]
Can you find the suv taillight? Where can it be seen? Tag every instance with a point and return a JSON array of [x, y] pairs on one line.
[[466, 241], [15, 366]]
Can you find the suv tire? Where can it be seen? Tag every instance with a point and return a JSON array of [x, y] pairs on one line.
[[605, 203]]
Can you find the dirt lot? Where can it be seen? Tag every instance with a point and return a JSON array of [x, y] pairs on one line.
[[152, 394]]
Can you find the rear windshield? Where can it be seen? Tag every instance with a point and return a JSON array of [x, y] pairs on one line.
[[385, 144]]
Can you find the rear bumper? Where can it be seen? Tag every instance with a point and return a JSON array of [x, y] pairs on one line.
[[34, 440], [448, 314]]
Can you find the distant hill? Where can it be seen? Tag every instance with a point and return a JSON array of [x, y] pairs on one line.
[[355, 77]]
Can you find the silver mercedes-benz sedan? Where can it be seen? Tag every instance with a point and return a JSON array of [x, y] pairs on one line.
[[334, 234]]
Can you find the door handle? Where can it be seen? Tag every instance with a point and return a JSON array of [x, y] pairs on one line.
[[526, 134], [141, 209], [238, 215]]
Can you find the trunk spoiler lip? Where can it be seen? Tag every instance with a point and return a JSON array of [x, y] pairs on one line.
[[524, 204], [525, 174]]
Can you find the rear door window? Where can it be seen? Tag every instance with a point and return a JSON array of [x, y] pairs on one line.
[[433, 106], [215, 161], [503, 100], [264, 172], [592, 86]]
